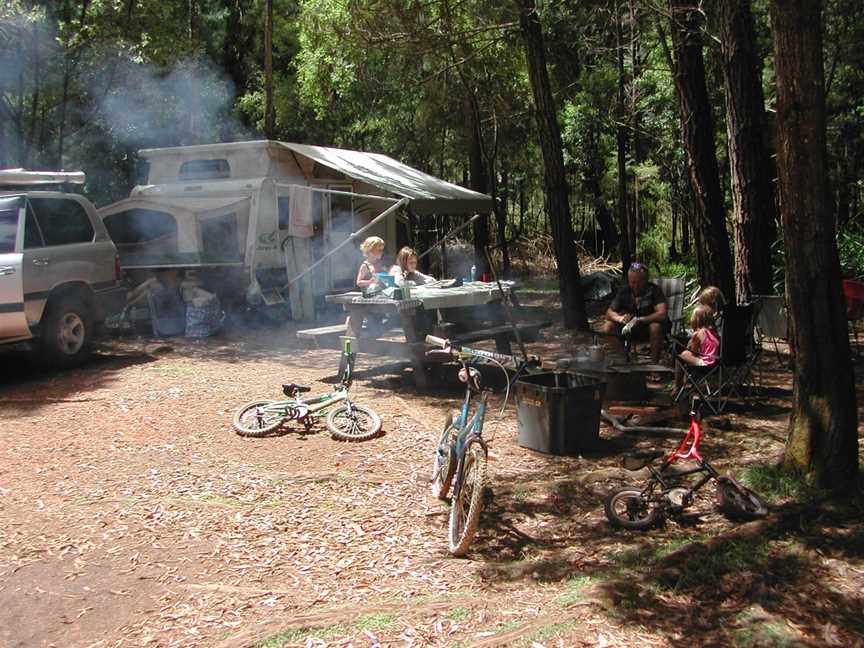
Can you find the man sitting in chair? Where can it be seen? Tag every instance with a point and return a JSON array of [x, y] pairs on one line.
[[638, 312]]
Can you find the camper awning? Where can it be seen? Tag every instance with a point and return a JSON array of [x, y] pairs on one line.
[[428, 194]]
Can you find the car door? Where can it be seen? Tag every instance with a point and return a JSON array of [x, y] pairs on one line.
[[64, 254], [13, 321]]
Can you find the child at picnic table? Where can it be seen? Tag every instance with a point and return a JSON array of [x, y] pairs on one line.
[[372, 249], [703, 347], [405, 270]]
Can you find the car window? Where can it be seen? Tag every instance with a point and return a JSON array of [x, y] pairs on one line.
[[32, 235], [8, 229], [62, 221]]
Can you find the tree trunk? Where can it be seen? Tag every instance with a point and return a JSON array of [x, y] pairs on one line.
[[269, 111], [823, 438], [234, 45], [697, 125], [555, 181], [752, 192], [478, 178], [621, 140]]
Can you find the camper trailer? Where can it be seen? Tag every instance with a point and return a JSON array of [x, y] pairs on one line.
[[251, 217]]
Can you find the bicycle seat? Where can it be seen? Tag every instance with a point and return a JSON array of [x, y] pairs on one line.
[[292, 389], [439, 355], [640, 459]]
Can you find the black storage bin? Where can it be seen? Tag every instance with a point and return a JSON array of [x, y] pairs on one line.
[[559, 412]]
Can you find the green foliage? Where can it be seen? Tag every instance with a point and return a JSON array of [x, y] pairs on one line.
[[776, 484], [850, 247]]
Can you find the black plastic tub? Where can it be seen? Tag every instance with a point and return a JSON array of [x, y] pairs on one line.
[[559, 412]]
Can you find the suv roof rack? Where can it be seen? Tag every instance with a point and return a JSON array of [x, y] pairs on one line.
[[22, 178]]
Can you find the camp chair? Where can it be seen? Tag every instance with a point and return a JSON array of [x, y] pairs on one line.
[[854, 293], [673, 288], [733, 371], [773, 321]]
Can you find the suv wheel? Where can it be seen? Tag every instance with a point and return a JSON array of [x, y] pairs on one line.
[[68, 332]]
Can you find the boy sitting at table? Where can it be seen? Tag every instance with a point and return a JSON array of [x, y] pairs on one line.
[[405, 270]]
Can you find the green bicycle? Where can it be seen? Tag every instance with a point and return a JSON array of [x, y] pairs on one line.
[[347, 422]]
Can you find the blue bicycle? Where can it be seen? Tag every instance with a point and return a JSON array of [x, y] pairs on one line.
[[462, 454]]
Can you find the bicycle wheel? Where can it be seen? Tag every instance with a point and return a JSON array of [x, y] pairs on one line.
[[626, 508], [350, 422], [465, 509], [739, 503], [252, 420], [444, 463]]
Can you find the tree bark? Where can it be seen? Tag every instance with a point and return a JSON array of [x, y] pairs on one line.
[[554, 178], [269, 110], [477, 176], [823, 438], [235, 44], [697, 124], [621, 141], [751, 168]]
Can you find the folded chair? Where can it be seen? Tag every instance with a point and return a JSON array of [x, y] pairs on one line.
[[733, 371], [853, 291]]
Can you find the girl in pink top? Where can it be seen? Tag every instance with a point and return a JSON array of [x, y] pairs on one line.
[[704, 346]]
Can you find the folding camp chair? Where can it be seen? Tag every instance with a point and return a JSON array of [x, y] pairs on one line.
[[673, 288], [733, 371], [773, 320], [853, 291]]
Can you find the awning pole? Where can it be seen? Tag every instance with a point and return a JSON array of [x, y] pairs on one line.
[[451, 233], [355, 235]]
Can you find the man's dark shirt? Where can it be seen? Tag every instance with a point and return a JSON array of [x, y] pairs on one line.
[[625, 302]]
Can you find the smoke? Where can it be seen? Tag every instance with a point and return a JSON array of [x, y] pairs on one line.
[[191, 102]]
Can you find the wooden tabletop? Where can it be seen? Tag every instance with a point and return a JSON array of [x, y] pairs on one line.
[[475, 293]]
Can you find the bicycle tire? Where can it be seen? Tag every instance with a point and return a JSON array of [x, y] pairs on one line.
[[464, 523], [443, 462], [738, 502], [345, 424], [638, 514], [259, 425]]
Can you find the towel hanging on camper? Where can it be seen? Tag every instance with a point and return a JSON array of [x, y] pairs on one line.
[[300, 222]]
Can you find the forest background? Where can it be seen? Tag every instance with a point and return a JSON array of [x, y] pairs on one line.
[[667, 131], [442, 85]]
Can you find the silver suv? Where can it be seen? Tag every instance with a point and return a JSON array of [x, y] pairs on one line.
[[59, 271]]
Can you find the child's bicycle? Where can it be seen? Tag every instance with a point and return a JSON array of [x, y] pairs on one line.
[[461, 454], [347, 422], [632, 507]]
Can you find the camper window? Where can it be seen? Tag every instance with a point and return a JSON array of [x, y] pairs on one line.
[[204, 170], [62, 221], [219, 239], [341, 213], [138, 226], [284, 212]]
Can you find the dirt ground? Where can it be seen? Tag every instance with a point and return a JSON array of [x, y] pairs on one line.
[[134, 516]]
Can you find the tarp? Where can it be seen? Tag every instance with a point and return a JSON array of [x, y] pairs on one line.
[[428, 194]]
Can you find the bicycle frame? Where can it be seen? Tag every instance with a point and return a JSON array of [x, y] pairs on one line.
[[683, 453]]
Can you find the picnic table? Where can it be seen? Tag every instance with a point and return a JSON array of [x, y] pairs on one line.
[[466, 313]]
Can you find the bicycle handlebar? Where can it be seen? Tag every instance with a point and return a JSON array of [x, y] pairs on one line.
[[478, 353]]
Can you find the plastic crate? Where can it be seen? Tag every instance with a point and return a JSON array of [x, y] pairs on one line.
[[559, 412]]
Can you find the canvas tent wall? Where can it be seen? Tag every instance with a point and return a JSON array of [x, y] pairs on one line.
[[278, 206]]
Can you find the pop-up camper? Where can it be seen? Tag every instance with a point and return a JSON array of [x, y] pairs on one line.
[[249, 217]]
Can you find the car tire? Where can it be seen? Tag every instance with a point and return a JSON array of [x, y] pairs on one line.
[[67, 332]]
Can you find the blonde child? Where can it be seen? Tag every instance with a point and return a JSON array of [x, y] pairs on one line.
[[712, 297], [372, 249], [704, 346], [405, 269]]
